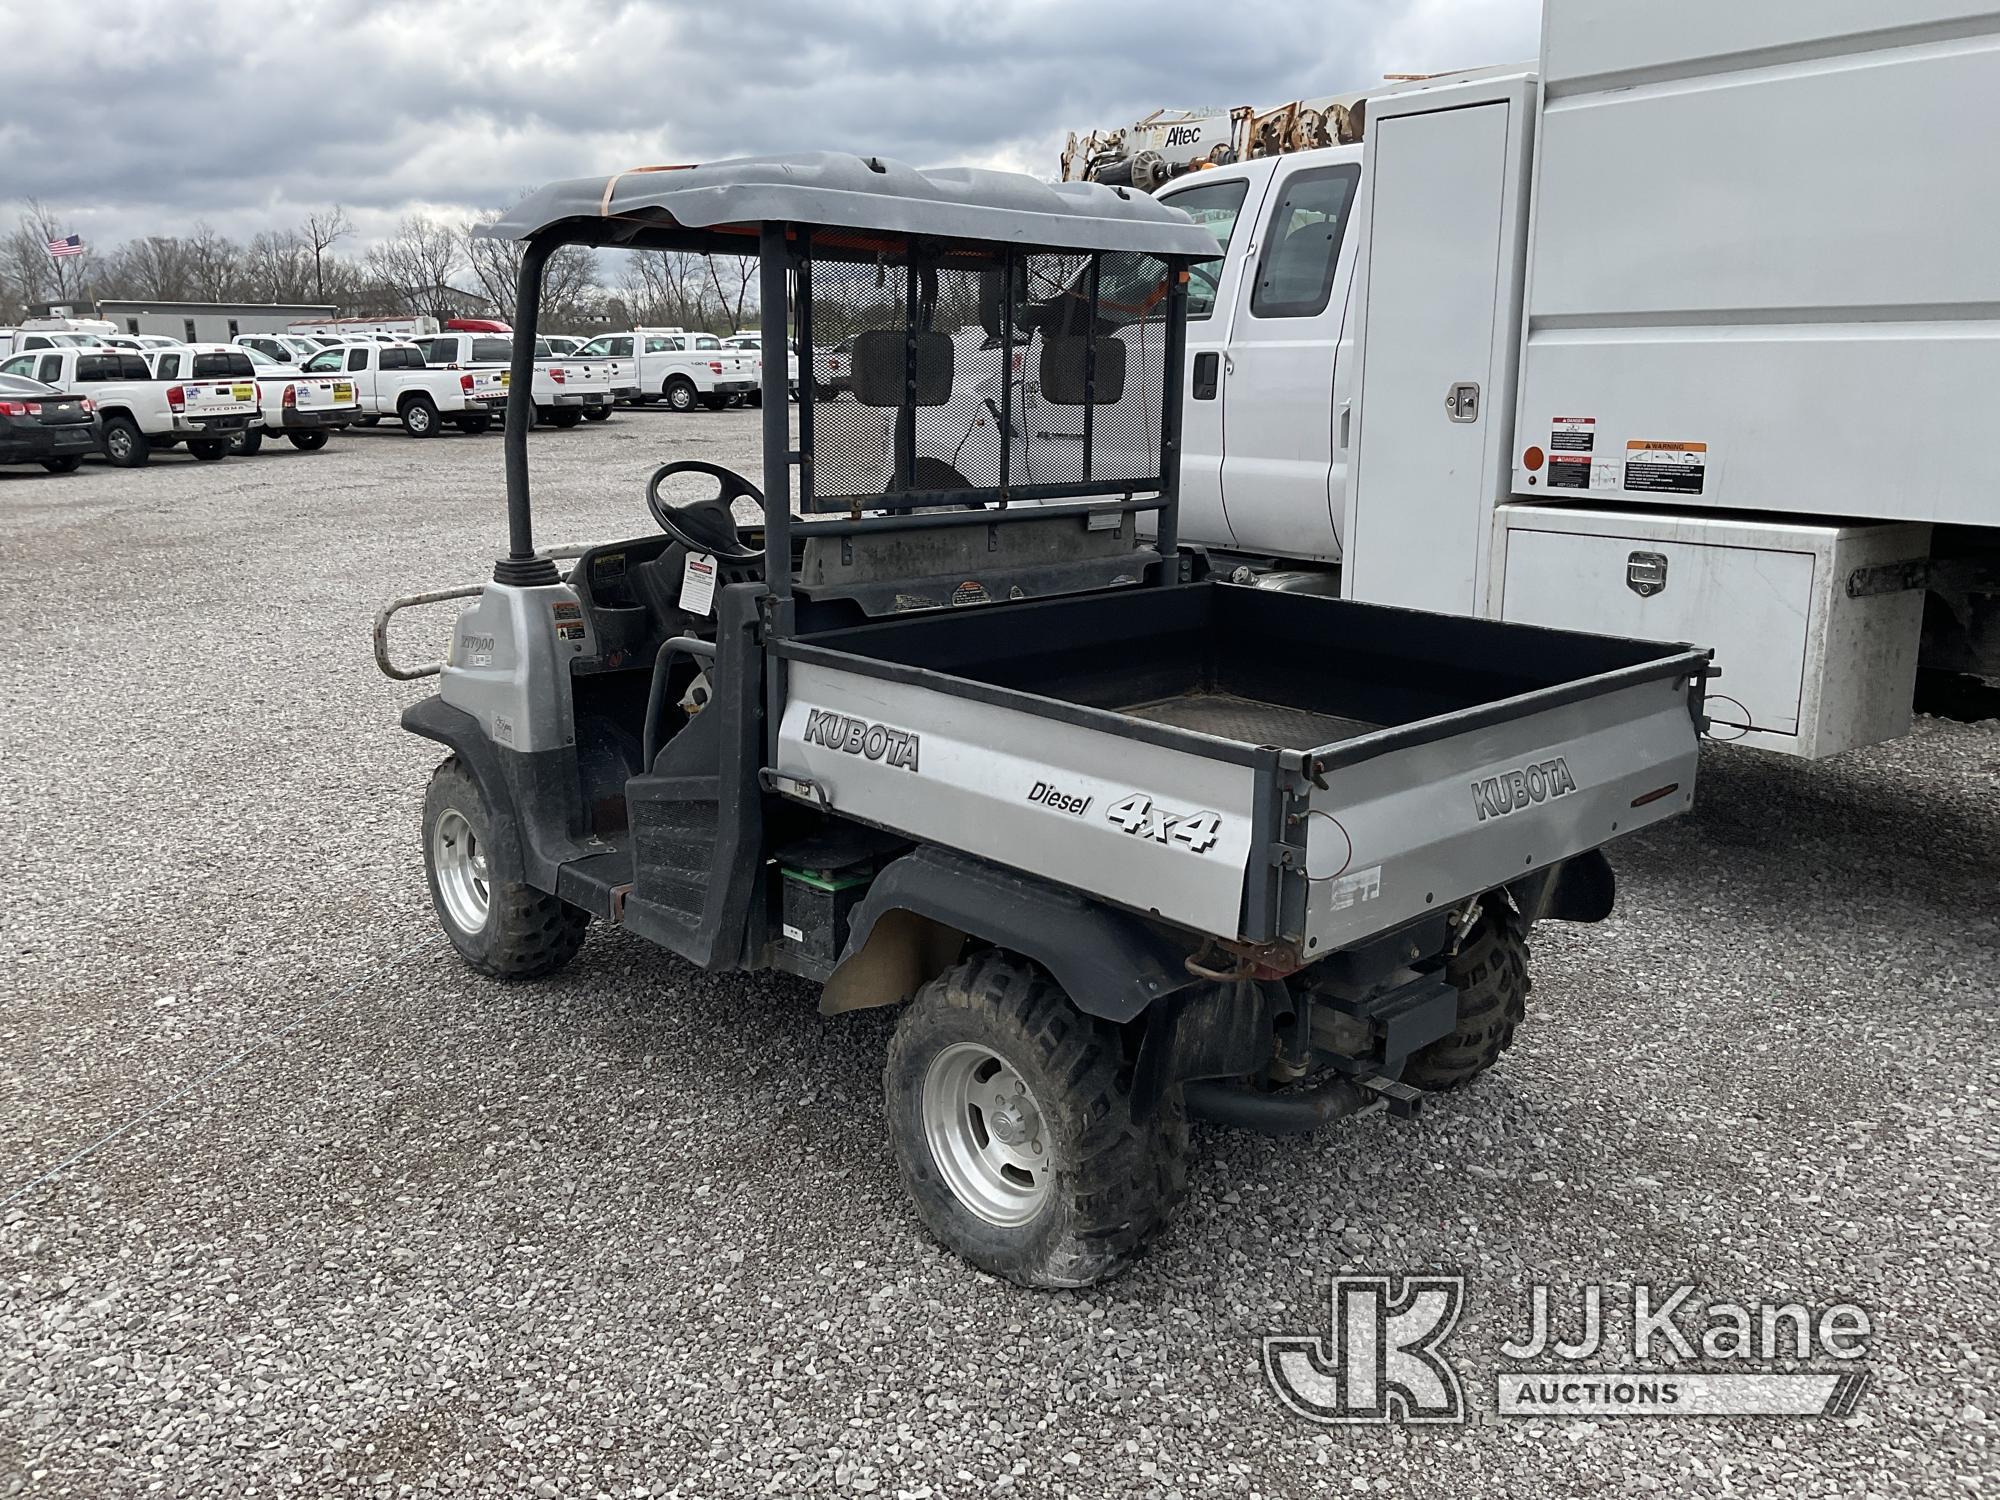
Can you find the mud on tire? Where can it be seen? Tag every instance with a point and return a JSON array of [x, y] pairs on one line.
[[1490, 973], [526, 933], [1113, 1181]]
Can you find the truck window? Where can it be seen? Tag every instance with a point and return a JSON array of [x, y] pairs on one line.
[[326, 362], [706, 342], [168, 367], [21, 364], [94, 367], [492, 351], [51, 368], [1302, 243], [653, 346], [1215, 206], [357, 359], [218, 366]]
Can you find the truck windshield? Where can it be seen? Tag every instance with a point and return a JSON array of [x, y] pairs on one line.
[[1131, 288]]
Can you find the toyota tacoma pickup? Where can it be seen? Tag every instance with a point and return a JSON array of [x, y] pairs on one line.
[[213, 397]]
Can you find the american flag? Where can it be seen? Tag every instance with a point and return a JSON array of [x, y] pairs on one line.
[[69, 244]]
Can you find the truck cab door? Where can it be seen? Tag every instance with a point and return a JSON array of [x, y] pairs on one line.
[[1282, 437], [1221, 200]]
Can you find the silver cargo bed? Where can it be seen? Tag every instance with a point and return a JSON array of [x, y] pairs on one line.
[[1271, 767]]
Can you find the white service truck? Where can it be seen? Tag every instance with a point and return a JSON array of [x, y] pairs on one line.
[[215, 398], [303, 409], [566, 391], [683, 369], [1684, 332], [393, 380]]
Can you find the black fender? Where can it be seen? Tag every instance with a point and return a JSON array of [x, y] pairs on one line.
[[455, 729], [1581, 888], [1111, 963]]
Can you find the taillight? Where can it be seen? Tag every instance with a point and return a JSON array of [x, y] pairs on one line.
[[291, 397], [257, 391], [465, 384], [86, 404], [176, 398], [556, 375], [20, 408], [715, 365]]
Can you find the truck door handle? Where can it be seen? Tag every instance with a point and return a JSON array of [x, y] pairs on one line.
[[1207, 374], [1346, 418]]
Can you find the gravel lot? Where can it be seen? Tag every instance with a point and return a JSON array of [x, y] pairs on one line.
[[637, 1230]]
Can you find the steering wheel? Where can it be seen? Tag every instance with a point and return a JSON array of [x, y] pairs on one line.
[[708, 524]]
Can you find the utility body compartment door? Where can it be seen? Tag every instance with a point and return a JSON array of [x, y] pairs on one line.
[[1439, 294]]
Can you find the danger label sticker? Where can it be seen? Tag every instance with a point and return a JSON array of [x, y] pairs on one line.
[[1569, 471], [698, 583], [1572, 435], [1665, 468]]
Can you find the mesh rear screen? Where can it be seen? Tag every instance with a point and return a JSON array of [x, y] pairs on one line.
[[925, 412]]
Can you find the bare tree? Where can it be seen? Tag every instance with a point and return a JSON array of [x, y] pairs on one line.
[[669, 288], [321, 231], [569, 280], [39, 276], [214, 263], [732, 277], [417, 264], [278, 267]]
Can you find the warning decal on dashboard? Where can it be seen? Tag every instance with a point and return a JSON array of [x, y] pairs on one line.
[[1665, 468]]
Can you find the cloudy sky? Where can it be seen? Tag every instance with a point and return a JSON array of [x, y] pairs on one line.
[[141, 116]]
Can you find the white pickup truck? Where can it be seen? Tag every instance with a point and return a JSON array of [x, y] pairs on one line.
[[753, 343], [683, 369], [566, 391], [212, 401], [303, 409], [392, 380]]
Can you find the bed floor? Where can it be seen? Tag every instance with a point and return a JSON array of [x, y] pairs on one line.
[[1248, 721]]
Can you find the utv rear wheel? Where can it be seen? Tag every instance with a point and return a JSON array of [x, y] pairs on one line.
[[1011, 1114], [1490, 973], [124, 444], [680, 393], [501, 928], [307, 442]]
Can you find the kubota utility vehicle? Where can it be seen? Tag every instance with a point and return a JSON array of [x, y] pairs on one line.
[[1125, 841]]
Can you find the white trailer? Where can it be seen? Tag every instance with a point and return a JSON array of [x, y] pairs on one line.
[[1684, 332]]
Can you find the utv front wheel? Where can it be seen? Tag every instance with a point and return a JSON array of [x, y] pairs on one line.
[[502, 928], [1011, 1114]]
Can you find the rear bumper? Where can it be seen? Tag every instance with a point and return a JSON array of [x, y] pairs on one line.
[[295, 420], [30, 445], [577, 398], [732, 387], [210, 426]]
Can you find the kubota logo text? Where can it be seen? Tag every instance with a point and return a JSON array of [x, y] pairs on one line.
[[896, 747], [1510, 791]]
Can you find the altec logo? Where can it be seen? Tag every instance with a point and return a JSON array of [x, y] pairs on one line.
[[1510, 791], [896, 747]]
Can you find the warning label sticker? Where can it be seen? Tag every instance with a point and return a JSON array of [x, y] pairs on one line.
[[1569, 471], [1572, 435], [1665, 468]]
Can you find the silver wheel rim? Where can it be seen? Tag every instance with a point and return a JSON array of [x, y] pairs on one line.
[[119, 442], [460, 863], [987, 1134], [419, 419]]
